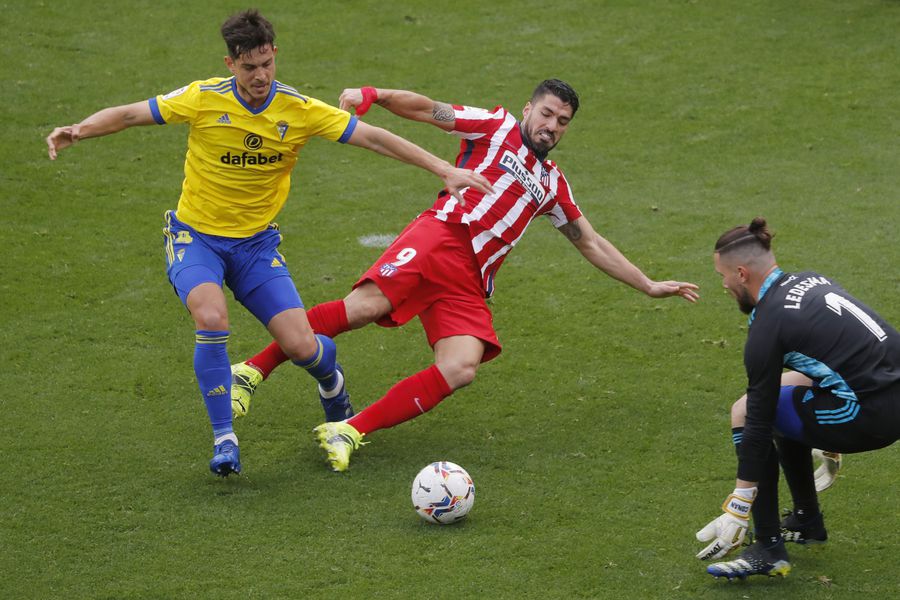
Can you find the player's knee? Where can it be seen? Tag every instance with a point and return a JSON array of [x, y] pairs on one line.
[[300, 347], [739, 412], [458, 374], [360, 315], [210, 318], [365, 305]]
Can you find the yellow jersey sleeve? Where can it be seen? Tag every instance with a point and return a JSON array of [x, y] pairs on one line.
[[326, 121], [178, 106], [239, 158]]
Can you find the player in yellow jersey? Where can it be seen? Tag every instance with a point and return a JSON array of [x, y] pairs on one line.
[[245, 134]]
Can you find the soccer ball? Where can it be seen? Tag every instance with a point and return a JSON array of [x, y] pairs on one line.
[[443, 493]]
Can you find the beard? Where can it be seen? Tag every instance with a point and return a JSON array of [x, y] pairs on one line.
[[543, 147], [745, 301], [537, 144]]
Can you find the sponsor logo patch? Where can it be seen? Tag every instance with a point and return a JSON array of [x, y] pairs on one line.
[[510, 163], [174, 93], [245, 158], [252, 142]]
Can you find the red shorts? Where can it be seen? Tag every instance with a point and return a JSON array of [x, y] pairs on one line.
[[430, 271]]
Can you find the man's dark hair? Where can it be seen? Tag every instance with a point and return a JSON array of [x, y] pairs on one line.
[[246, 31], [558, 88], [756, 234]]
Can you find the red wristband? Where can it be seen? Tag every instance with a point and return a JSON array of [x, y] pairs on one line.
[[369, 95]]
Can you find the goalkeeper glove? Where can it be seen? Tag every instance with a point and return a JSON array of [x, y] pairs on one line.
[[826, 472], [727, 531]]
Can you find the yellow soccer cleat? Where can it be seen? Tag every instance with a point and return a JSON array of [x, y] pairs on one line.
[[244, 381], [339, 440]]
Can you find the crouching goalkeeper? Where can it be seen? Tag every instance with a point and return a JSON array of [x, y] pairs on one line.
[[841, 394]]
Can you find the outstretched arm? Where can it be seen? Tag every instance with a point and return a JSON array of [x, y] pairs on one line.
[[408, 105], [606, 257], [384, 142], [107, 121]]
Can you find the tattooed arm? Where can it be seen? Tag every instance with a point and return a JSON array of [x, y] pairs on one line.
[[408, 105], [602, 254]]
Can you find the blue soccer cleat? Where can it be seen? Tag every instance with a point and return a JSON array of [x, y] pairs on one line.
[[755, 560], [337, 408], [226, 459]]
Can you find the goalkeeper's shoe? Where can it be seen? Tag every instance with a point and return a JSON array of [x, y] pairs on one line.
[[244, 381], [806, 531], [337, 408], [827, 466], [755, 560], [339, 440], [226, 459]]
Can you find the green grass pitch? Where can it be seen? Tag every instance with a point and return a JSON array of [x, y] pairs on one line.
[[599, 441]]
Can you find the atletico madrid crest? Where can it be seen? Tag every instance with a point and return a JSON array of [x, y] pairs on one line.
[[387, 270]]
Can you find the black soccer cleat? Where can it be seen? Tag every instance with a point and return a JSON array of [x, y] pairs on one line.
[[804, 531]]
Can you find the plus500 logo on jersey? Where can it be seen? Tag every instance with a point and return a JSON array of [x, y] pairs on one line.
[[253, 143]]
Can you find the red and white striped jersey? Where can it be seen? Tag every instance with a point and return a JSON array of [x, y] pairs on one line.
[[524, 187]]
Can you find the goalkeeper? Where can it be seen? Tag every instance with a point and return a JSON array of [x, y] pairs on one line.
[[842, 394]]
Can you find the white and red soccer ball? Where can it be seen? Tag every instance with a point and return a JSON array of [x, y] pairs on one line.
[[443, 493]]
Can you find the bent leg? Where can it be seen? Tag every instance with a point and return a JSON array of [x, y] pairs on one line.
[[458, 357], [362, 306], [292, 332], [365, 304], [739, 408], [267, 302], [456, 361], [316, 354]]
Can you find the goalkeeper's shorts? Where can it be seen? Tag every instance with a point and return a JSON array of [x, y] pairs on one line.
[[820, 419]]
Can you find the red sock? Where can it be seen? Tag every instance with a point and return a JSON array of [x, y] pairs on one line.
[[409, 398], [329, 318], [270, 357]]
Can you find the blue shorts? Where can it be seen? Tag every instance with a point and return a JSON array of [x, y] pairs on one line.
[[251, 267], [787, 421]]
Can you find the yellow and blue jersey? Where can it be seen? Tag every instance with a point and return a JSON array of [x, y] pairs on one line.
[[237, 172]]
